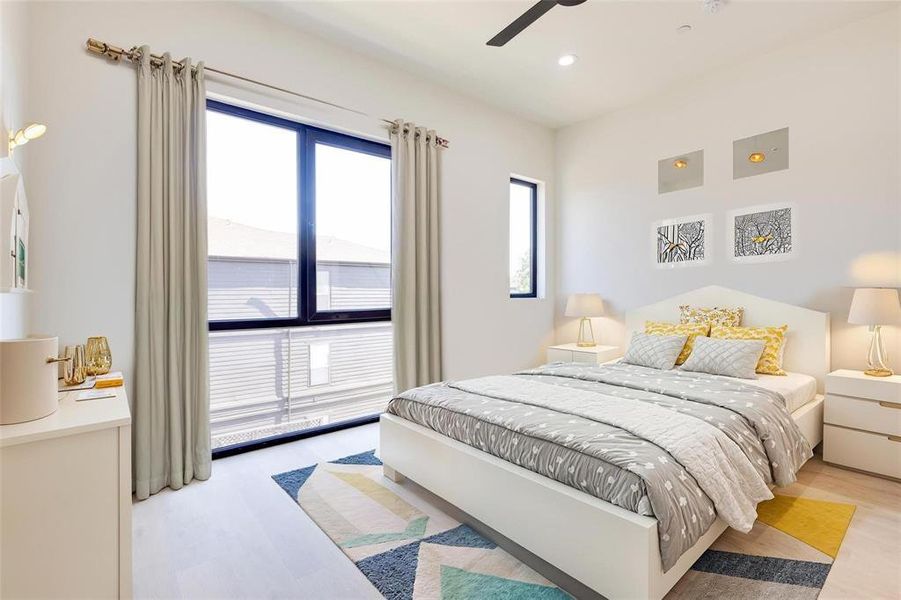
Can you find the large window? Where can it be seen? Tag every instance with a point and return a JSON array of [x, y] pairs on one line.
[[299, 275], [523, 239]]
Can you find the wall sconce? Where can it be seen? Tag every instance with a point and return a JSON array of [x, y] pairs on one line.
[[26, 134]]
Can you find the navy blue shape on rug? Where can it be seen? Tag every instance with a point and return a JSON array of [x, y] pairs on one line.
[[764, 568], [393, 573], [363, 458], [292, 481]]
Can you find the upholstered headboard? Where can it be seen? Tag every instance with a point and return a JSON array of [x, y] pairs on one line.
[[807, 343]]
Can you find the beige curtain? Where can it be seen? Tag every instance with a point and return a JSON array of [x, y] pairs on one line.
[[171, 400], [415, 289]]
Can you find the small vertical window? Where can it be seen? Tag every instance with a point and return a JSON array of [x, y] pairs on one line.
[[523, 239]]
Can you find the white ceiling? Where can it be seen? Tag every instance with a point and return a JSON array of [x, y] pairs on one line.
[[627, 50]]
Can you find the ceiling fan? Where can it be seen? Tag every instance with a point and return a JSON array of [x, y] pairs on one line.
[[527, 18]]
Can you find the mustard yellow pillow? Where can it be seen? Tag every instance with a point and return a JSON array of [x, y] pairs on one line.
[[770, 362], [692, 330], [730, 317]]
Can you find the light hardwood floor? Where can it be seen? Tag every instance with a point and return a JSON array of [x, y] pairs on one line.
[[239, 535]]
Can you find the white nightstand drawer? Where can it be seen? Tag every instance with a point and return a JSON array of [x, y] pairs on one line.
[[557, 355], [871, 452], [857, 385], [869, 415], [582, 354], [585, 357]]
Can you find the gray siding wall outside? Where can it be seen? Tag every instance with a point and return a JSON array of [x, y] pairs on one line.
[[259, 288], [260, 380]]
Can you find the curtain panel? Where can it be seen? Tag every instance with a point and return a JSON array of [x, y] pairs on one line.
[[415, 281], [171, 444]]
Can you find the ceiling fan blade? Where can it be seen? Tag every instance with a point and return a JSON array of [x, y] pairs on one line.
[[523, 21]]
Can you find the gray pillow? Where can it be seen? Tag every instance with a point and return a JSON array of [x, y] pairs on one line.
[[654, 351], [733, 358]]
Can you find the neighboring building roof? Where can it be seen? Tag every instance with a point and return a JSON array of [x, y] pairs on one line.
[[227, 238]]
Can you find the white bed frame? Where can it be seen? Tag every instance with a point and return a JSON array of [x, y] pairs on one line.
[[609, 549]]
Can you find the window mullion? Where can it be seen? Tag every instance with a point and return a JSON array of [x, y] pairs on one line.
[[302, 297]]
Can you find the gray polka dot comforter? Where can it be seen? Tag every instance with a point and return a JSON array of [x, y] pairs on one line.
[[677, 446]]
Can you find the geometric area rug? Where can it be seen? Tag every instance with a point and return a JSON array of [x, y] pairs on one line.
[[405, 547], [409, 549], [787, 554]]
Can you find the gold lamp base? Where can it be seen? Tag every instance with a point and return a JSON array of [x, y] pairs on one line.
[[876, 355], [586, 334], [878, 372]]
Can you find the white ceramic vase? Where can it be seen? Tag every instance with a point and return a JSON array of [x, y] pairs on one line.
[[28, 379]]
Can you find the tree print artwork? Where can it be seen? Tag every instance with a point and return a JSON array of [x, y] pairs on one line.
[[764, 233], [681, 242]]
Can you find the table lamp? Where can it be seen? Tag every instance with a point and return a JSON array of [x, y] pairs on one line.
[[585, 306], [875, 307]]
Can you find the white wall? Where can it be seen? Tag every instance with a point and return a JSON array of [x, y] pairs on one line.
[[13, 115], [83, 201], [13, 58], [838, 93]]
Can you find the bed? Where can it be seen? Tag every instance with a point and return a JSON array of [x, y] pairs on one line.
[[615, 530]]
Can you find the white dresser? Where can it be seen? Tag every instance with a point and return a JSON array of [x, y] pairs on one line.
[[65, 502], [862, 422], [576, 353]]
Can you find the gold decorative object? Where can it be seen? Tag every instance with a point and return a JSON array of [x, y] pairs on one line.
[[757, 157], [74, 370], [680, 163], [98, 358]]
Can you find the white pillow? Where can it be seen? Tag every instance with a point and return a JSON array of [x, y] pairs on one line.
[[718, 356], [654, 351]]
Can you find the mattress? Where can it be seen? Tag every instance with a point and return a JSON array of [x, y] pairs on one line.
[[797, 389]]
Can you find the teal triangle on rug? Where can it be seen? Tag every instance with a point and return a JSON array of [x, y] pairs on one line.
[[457, 584], [415, 529]]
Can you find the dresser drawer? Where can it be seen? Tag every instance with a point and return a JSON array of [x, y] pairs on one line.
[[860, 450], [555, 355], [878, 416]]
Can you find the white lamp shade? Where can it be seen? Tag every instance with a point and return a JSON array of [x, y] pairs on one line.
[[875, 306], [585, 305]]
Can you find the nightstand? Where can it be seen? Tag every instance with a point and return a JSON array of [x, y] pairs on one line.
[[586, 354], [862, 422]]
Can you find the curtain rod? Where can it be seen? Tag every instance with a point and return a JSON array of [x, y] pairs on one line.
[[116, 53]]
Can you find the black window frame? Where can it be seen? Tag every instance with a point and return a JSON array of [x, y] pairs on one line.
[[533, 224], [307, 139]]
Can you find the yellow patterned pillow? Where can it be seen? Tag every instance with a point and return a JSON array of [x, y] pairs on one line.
[[770, 362], [692, 330], [729, 317]]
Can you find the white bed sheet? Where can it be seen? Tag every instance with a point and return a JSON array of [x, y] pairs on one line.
[[797, 389]]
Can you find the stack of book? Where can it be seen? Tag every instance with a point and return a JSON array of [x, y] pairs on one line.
[[112, 379]]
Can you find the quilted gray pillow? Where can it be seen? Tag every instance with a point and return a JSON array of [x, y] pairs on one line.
[[733, 358], [654, 351]]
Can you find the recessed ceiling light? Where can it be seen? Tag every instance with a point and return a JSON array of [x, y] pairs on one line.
[[757, 157], [680, 163], [683, 28], [567, 60]]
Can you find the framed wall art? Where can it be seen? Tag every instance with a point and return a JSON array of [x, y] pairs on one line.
[[680, 172], [759, 154], [764, 233], [682, 241]]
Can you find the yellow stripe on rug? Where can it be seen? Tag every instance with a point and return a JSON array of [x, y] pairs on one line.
[[817, 523], [378, 493]]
